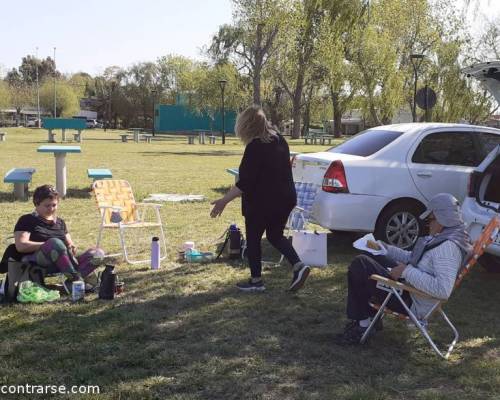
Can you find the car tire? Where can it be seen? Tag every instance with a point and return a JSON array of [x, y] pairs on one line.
[[490, 263], [403, 220]]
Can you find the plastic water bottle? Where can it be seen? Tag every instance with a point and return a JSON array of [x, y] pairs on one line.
[[155, 253]]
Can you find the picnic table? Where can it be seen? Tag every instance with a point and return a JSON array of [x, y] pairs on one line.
[[60, 156], [136, 132], [201, 135]]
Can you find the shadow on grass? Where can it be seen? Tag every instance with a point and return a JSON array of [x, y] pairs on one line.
[[214, 153], [7, 197], [79, 193], [188, 333], [222, 189]]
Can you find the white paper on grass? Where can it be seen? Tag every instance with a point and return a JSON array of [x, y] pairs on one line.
[[360, 244], [310, 247], [173, 197]]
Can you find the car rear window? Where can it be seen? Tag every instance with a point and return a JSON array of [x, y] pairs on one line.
[[366, 143]]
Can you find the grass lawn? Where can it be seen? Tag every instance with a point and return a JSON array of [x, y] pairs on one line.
[[185, 332]]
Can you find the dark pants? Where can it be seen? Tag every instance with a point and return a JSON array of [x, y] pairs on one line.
[[361, 288], [273, 226]]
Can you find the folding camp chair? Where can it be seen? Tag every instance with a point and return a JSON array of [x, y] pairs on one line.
[[119, 210], [395, 288], [300, 215]]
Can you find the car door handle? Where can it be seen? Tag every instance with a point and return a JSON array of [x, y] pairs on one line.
[[424, 174]]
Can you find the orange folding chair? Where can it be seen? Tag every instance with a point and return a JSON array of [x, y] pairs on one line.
[[119, 210], [395, 288]]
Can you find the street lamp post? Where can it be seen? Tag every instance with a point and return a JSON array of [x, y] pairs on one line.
[[153, 92], [416, 61], [55, 92], [37, 91], [222, 84]]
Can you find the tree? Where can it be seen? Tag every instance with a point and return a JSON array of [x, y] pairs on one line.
[[46, 69], [19, 92], [4, 95], [296, 52], [251, 40], [67, 100]]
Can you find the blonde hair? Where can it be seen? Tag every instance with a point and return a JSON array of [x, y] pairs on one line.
[[252, 123]]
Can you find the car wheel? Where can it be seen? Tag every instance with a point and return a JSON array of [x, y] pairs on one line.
[[399, 225], [490, 262]]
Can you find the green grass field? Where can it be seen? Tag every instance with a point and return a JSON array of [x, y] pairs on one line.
[[185, 332]]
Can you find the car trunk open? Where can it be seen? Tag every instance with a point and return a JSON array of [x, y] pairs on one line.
[[485, 182]]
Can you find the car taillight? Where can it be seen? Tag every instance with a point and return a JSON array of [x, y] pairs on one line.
[[335, 180]]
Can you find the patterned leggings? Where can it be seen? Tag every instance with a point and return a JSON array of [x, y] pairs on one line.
[[54, 253]]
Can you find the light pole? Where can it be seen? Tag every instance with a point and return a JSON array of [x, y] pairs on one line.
[[222, 84], [153, 92], [55, 93], [416, 61]]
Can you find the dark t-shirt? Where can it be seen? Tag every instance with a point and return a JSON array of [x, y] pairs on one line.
[[265, 178], [40, 229]]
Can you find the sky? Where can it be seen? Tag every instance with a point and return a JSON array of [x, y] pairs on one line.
[[94, 34], [91, 35]]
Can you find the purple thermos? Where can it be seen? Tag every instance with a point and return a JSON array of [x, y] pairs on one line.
[[155, 253]]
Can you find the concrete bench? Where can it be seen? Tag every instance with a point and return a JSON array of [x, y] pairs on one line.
[[147, 138], [212, 139], [191, 138], [324, 138], [2, 136], [78, 136], [20, 177], [51, 136], [99, 173], [125, 137]]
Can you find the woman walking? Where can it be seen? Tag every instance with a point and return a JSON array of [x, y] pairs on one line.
[[268, 195]]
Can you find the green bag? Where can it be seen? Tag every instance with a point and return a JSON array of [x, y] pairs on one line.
[[30, 292]]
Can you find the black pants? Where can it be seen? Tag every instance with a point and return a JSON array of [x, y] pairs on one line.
[[361, 288], [273, 226]]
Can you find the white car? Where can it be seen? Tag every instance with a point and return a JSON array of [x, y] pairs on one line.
[[381, 179], [483, 199]]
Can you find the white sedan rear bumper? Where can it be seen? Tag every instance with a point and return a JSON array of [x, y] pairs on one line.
[[346, 211]]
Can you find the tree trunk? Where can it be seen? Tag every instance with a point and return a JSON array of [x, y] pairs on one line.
[[296, 118], [256, 85], [297, 99], [337, 114], [273, 108]]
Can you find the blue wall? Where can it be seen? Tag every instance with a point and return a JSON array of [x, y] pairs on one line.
[[179, 118]]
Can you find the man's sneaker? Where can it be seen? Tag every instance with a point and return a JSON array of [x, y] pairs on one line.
[[352, 334], [299, 278], [250, 286]]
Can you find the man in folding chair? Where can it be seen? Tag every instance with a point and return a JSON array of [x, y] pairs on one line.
[[431, 268]]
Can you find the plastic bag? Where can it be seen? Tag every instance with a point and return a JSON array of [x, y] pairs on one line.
[[30, 292]]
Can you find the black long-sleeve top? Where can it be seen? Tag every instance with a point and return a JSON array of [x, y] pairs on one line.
[[265, 178]]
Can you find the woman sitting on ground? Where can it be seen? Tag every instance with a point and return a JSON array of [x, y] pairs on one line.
[[43, 239]]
